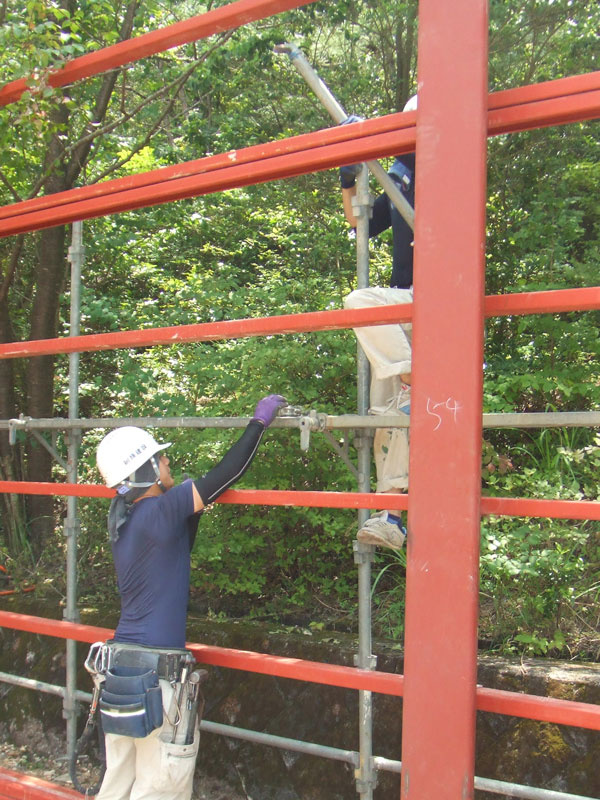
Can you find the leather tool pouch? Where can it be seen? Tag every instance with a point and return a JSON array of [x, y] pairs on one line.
[[131, 702]]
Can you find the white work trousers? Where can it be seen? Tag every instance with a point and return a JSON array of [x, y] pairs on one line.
[[389, 351], [152, 768]]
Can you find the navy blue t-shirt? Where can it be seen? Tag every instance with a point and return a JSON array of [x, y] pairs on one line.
[[152, 560], [385, 215]]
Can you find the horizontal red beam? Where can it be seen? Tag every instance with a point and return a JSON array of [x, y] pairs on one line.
[[562, 712], [585, 299], [218, 20], [490, 506], [317, 157], [401, 125], [565, 100], [553, 301], [16, 786], [543, 709], [211, 331], [544, 509], [502, 104], [255, 497], [282, 159]]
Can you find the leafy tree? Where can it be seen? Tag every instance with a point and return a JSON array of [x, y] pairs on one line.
[[99, 123], [283, 247]]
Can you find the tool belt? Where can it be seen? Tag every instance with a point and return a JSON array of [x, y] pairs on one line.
[[130, 696], [131, 702], [167, 662]]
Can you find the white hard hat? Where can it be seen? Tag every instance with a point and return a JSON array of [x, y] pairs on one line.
[[411, 104], [124, 450]]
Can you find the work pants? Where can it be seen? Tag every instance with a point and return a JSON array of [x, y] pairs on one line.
[[151, 768], [389, 351]]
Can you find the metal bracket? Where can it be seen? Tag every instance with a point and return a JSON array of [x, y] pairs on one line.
[[71, 527], [365, 786], [363, 553], [342, 451], [371, 665], [21, 424], [14, 425], [362, 203]]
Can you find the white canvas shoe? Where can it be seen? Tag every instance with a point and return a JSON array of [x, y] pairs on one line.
[[382, 532]]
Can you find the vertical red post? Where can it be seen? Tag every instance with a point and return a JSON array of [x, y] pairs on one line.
[[445, 452]]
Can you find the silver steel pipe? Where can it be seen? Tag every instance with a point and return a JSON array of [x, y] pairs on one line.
[[40, 686], [494, 787], [337, 113], [366, 777], [294, 745], [71, 523], [524, 792], [554, 419], [309, 748]]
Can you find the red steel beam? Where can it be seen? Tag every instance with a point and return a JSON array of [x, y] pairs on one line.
[[490, 506], [552, 301], [402, 125], [497, 701], [520, 101], [442, 571], [254, 497], [539, 508], [229, 177], [16, 786], [542, 104], [315, 151], [210, 331], [226, 18], [559, 300]]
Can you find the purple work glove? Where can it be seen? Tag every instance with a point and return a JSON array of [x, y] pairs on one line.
[[267, 408]]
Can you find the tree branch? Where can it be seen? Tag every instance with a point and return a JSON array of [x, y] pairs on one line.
[[13, 260], [10, 187], [175, 84]]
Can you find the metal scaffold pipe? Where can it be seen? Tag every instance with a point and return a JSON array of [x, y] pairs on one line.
[[317, 421], [338, 115], [71, 522]]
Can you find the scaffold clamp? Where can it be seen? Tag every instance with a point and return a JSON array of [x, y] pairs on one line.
[[14, 425], [308, 421]]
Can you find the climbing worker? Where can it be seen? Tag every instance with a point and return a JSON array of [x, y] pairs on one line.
[[387, 347], [150, 691]]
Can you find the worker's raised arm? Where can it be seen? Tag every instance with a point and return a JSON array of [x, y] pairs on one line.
[[239, 457], [347, 195]]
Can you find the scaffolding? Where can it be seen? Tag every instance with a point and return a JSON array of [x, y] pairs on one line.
[[444, 506]]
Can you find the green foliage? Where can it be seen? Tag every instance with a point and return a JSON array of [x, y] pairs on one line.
[[283, 248], [387, 593], [535, 573]]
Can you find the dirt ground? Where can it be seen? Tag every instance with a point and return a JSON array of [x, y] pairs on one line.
[[42, 755]]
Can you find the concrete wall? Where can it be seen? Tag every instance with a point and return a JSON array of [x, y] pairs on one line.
[[508, 749]]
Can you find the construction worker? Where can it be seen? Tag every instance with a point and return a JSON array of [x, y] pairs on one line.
[[149, 695], [387, 347]]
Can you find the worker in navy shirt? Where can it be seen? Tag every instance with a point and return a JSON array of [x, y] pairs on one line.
[[387, 347], [146, 702]]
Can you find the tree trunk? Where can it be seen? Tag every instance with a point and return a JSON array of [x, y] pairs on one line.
[[11, 505], [43, 325]]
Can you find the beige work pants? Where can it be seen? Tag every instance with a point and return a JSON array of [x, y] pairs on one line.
[[151, 768], [389, 351]]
